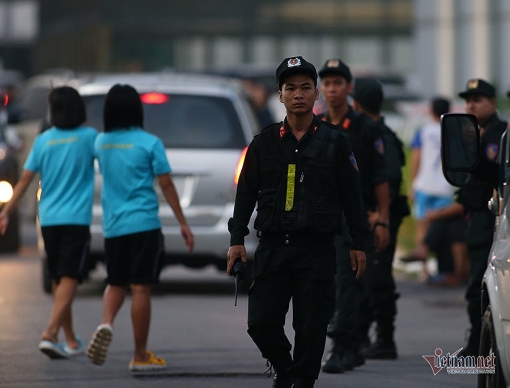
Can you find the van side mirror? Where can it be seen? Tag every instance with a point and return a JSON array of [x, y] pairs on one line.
[[460, 147]]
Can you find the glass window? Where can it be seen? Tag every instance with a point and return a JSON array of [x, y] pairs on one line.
[[184, 121]]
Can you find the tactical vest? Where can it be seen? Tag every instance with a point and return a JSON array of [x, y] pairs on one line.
[[299, 195]]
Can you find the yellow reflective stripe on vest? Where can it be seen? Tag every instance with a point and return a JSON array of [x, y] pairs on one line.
[[291, 178]]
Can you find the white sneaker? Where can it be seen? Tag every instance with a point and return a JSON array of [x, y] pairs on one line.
[[98, 345]]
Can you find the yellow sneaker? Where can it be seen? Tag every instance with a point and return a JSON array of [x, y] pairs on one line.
[[153, 363]]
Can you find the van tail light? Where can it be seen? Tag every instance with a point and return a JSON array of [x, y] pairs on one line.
[[154, 98], [240, 165], [6, 99]]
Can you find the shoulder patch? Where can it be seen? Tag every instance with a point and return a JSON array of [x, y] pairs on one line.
[[491, 151], [352, 159], [379, 145]]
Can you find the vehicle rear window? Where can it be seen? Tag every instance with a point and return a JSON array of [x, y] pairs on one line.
[[183, 121]]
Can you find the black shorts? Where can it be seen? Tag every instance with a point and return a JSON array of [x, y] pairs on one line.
[[135, 258], [67, 248]]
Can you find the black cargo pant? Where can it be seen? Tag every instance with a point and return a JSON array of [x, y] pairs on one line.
[[348, 293], [298, 267], [379, 299]]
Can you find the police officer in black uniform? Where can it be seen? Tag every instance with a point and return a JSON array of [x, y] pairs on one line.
[[303, 175], [480, 99], [379, 302], [368, 146]]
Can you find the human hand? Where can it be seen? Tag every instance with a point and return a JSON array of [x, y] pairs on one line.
[[358, 262], [235, 252], [373, 217], [188, 237], [381, 237], [4, 222]]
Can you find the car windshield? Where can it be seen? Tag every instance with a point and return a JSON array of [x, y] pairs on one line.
[[182, 121]]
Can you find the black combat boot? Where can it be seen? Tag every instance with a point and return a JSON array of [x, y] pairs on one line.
[[384, 347], [352, 357], [282, 380], [473, 345], [381, 350], [303, 383], [333, 363]]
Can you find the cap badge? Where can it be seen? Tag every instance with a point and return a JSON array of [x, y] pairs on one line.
[[293, 62], [473, 84], [333, 63]]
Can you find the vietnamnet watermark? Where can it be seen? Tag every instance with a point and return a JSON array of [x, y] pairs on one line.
[[455, 364]]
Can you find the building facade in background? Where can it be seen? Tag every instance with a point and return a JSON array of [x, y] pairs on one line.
[[435, 44], [461, 39], [19, 31], [114, 35]]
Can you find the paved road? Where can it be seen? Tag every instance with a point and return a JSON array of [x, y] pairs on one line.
[[201, 334]]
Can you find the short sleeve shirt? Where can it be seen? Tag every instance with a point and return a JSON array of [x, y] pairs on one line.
[[430, 179], [129, 161], [64, 158]]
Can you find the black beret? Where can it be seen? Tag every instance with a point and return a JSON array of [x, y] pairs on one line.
[[294, 65], [478, 86], [336, 66]]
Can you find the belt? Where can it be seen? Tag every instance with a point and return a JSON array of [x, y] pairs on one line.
[[294, 235]]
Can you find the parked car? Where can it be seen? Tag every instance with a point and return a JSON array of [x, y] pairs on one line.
[[9, 171], [205, 123], [460, 152]]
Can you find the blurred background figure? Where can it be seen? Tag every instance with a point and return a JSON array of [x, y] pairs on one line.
[[259, 96], [446, 237], [379, 302], [430, 190], [480, 97]]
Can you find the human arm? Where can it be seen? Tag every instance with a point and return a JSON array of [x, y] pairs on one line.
[[18, 192], [381, 226], [351, 195], [171, 196], [455, 209], [414, 164], [378, 178], [246, 197]]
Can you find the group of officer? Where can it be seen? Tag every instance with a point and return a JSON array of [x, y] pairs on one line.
[[327, 190]]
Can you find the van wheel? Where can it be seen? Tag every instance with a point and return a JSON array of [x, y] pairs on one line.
[[46, 280], [488, 345]]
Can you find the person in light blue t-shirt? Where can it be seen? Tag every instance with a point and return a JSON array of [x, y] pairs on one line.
[[63, 155], [130, 159]]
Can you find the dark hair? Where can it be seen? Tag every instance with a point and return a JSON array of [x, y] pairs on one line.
[[122, 108], [440, 106], [67, 109]]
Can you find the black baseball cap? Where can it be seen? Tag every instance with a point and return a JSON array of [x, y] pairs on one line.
[[478, 86], [292, 66], [336, 66], [368, 92]]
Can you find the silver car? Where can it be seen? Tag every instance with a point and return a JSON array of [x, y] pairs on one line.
[[206, 124], [460, 153]]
